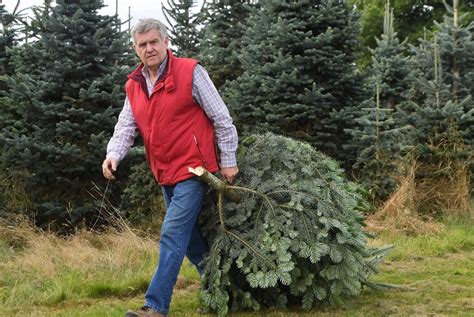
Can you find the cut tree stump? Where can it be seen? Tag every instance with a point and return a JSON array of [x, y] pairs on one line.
[[215, 183]]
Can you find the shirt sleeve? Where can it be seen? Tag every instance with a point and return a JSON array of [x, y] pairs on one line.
[[124, 135], [206, 95]]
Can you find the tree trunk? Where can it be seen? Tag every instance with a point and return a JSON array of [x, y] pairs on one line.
[[215, 183]]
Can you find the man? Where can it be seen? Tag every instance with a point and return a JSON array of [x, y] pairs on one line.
[[178, 111]]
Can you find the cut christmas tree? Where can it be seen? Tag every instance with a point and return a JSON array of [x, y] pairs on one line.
[[293, 236]]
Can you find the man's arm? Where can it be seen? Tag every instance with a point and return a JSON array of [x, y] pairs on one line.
[[124, 135], [206, 95]]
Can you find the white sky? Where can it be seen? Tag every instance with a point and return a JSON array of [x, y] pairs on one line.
[[139, 9]]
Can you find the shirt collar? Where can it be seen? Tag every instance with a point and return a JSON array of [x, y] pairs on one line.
[[161, 69]]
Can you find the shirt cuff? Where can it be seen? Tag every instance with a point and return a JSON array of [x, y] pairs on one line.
[[228, 159], [113, 155]]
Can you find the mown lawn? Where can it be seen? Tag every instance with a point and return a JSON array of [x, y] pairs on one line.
[[104, 275]]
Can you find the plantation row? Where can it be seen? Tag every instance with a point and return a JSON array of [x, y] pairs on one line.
[[296, 69]]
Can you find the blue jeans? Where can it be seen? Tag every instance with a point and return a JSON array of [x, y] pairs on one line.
[[180, 235]]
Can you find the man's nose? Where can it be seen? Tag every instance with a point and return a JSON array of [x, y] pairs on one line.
[[149, 47]]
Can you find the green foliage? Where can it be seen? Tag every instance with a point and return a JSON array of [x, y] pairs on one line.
[[142, 198], [183, 25], [296, 236], [379, 144], [391, 68], [441, 112], [8, 33], [441, 108], [456, 45], [66, 91], [412, 19], [299, 74], [378, 138], [224, 22]]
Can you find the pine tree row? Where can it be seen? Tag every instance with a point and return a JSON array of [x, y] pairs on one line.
[[293, 73], [285, 67], [62, 94]]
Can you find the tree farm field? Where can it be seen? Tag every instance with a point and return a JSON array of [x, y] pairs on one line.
[[91, 274]]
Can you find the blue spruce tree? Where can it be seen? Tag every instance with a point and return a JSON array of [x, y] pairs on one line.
[[8, 40], [224, 22], [66, 92], [378, 138], [183, 25], [299, 77], [442, 114], [8, 33]]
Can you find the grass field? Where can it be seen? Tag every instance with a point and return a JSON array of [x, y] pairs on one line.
[[104, 275]]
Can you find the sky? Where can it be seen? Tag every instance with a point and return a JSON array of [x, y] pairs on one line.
[[139, 9]]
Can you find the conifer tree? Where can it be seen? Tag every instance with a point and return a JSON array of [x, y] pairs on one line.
[[183, 25], [8, 40], [299, 74], [9, 31], [442, 109], [442, 96], [142, 200], [224, 21], [378, 139], [456, 47], [63, 101], [295, 237], [391, 64], [411, 19], [380, 148]]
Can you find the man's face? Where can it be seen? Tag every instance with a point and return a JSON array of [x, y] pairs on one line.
[[151, 48]]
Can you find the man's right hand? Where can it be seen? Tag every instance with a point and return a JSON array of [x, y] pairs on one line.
[[108, 167]]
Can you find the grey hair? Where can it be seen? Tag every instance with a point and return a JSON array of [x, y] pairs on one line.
[[145, 25]]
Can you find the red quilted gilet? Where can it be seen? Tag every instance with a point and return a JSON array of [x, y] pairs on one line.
[[176, 131]]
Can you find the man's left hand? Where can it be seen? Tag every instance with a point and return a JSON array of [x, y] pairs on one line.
[[229, 173]]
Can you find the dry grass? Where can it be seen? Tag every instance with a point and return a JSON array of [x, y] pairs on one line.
[[444, 188], [438, 267], [14, 194], [426, 192], [47, 253], [49, 268], [104, 274], [443, 180], [399, 212]]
